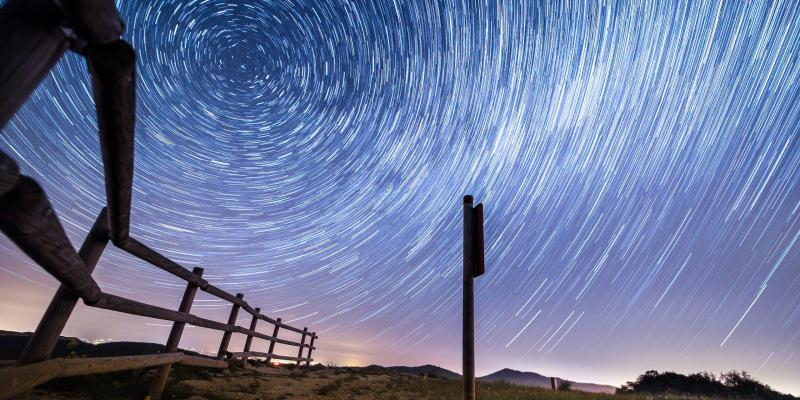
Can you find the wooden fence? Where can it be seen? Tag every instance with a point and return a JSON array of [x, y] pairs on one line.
[[34, 34]]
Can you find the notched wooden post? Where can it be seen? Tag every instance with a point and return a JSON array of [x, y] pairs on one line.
[[302, 343], [274, 336], [473, 268], [249, 341], [226, 337], [44, 340], [157, 387], [310, 348]]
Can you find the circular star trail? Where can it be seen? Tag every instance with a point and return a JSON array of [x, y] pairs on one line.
[[639, 165]]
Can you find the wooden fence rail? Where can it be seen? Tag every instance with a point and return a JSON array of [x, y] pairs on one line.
[[34, 34]]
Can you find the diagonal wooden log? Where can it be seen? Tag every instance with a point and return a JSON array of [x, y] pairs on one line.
[[113, 70], [44, 340], [120, 304], [29, 220], [9, 173], [31, 42], [136, 248]]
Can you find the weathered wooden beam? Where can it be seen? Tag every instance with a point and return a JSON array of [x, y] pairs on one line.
[[28, 219], [31, 42], [268, 356], [9, 173], [95, 21], [203, 362], [282, 325], [137, 249], [123, 305], [44, 340], [160, 381], [311, 348], [291, 328], [302, 343], [88, 366], [275, 336], [20, 379], [226, 337], [215, 291], [249, 341], [113, 69]]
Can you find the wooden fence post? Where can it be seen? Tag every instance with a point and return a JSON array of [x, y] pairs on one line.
[[311, 348], [249, 340], [157, 387], [302, 342], [553, 383], [226, 337], [274, 336], [44, 340], [473, 268], [468, 315]]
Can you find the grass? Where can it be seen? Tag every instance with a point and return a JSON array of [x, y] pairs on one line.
[[327, 383], [434, 388]]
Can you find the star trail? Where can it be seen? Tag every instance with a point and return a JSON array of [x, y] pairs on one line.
[[639, 164]]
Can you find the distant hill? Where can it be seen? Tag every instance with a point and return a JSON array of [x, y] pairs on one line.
[[537, 380], [427, 369], [504, 375], [517, 377], [12, 343]]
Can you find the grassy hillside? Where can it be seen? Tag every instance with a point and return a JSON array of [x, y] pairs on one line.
[[264, 383]]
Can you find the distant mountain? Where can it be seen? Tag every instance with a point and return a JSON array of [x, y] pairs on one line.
[[12, 343], [517, 377], [429, 370], [506, 375], [534, 379]]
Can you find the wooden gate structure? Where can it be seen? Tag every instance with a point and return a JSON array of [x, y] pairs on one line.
[[34, 34]]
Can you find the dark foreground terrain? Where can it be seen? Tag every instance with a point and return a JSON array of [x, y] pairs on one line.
[[270, 383], [266, 382]]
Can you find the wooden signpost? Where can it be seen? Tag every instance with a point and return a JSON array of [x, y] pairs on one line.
[[473, 268]]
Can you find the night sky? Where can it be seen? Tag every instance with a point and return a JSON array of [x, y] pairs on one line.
[[639, 166]]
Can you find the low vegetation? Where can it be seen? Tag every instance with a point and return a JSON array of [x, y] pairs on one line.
[[733, 384]]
